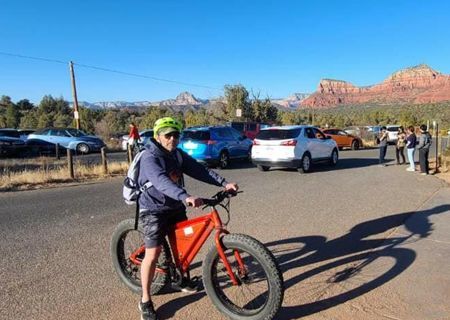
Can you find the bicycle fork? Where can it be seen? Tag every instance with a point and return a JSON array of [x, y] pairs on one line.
[[241, 267]]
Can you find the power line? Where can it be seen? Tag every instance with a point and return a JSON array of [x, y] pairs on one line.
[[145, 76], [32, 58], [110, 70]]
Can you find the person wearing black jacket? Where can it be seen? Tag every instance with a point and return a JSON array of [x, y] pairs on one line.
[[424, 149]]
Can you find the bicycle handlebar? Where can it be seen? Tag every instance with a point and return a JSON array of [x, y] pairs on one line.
[[219, 197]]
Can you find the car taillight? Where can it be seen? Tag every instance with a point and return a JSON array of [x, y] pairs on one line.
[[256, 143], [211, 142], [289, 143]]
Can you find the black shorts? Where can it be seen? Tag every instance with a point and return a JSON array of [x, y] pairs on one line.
[[157, 225]]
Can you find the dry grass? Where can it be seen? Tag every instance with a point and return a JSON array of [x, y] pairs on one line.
[[369, 143], [46, 176]]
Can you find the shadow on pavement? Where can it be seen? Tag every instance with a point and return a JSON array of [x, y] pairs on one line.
[[347, 163], [338, 270], [357, 265]]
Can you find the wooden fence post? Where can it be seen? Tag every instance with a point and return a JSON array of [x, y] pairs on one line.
[[104, 162], [130, 153], [70, 163], [57, 151]]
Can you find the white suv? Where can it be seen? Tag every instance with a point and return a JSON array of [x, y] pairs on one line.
[[392, 133], [293, 147]]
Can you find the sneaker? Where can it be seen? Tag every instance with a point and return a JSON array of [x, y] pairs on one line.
[[423, 173], [187, 286], [410, 169], [147, 311]]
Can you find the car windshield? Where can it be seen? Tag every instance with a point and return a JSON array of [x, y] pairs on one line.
[[9, 133], [278, 134], [392, 129], [76, 132], [196, 135]]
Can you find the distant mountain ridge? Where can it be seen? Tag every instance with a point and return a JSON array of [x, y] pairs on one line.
[[419, 84], [186, 101]]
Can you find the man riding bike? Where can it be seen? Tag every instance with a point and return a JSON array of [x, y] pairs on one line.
[[163, 204]]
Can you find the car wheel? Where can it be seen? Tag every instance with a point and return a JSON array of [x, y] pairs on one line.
[[263, 168], [83, 148], [223, 160], [334, 157], [355, 145], [305, 165]]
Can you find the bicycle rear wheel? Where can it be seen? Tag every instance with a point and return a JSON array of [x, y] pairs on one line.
[[259, 294], [126, 241]]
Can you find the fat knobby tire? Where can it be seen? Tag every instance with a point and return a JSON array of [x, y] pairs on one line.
[[268, 263], [119, 260]]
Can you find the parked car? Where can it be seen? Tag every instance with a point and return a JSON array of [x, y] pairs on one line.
[[344, 139], [24, 133], [293, 147], [392, 133], [249, 129], [37, 147], [353, 130], [10, 142], [144, 134], [215, 145], [69, 138]]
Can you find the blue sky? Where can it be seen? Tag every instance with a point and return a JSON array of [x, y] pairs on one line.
[[275, 48]]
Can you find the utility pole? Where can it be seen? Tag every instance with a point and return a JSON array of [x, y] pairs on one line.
[[76, 115]]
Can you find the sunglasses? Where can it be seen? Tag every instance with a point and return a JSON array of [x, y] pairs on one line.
[[174, 134]]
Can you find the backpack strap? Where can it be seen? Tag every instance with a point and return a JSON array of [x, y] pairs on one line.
[[136, 217], [180, 163]]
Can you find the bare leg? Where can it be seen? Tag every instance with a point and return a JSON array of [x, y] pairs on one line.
[[148, 266]]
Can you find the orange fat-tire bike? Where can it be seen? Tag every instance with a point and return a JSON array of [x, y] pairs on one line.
[[240, 275]]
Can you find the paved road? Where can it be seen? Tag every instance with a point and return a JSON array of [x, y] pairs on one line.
[[55, 243]]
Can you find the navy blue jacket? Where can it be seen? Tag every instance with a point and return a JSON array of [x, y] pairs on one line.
[[164, 171]]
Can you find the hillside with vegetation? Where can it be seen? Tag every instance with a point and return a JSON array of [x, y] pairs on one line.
[[107, 123]]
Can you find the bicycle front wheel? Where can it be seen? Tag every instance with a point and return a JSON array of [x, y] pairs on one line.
[[127, 241], [259, 293]]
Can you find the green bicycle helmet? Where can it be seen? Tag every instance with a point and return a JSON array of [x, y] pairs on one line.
[[166, 122]]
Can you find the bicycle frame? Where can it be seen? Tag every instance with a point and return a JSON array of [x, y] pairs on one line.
[[186, 238]]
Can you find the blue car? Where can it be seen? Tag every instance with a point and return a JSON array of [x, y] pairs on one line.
[[215, 145], [69, 138]]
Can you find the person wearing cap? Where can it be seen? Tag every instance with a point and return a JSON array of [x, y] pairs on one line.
[[164, 203]]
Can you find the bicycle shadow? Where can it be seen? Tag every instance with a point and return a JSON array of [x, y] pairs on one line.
[[342, 261], [349, 256]]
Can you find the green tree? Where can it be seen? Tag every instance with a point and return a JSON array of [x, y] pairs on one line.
[[29, 120], [237, 98], [45, 120], [153, 114], [12, 116], [24, 105], [62, 120]]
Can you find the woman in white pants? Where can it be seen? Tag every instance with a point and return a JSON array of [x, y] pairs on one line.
[[411, 147]]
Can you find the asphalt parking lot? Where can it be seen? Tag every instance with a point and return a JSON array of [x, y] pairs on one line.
[[346, 239]]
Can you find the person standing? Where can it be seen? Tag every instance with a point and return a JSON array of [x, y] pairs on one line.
[[383, 145], [400, 146], [424, 149], [133, 137], [410, 148]]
